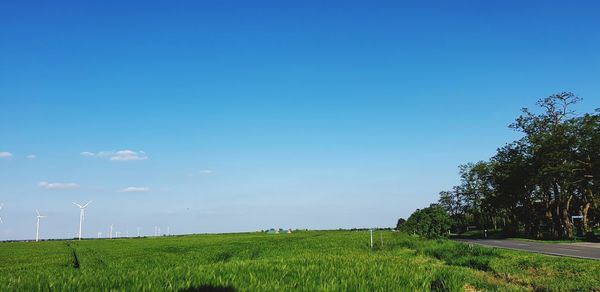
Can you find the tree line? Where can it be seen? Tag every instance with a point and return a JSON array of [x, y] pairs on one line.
[[544, 185]]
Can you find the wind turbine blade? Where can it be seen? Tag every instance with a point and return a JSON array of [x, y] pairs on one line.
[[38, 212], [1, 220], [86, 204], [76, 204]]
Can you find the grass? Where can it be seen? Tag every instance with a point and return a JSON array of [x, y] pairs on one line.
[[307, 261]]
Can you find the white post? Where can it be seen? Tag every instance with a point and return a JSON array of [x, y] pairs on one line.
[[111, 228], [37, 230], [381, 237], [371, 238], [80, 221]]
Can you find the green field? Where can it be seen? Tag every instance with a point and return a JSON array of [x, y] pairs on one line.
[[310, 261]]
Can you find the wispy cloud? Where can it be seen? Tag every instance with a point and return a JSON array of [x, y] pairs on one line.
[[58, 186], [30, 156], [121, 155], [202, 172], [5, 155], [134, 190], [87, 154]]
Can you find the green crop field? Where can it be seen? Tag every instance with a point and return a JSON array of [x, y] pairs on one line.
[[310, 261]]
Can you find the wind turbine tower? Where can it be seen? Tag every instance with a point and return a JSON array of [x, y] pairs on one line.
[[81, 215], [37, 229], [1, 205]]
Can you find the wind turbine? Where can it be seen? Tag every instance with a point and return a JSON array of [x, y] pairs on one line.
[[37, 230], [81, 215], [111, 227], [1, 205]]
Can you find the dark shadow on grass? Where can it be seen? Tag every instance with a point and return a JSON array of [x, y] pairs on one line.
[[208, 288]]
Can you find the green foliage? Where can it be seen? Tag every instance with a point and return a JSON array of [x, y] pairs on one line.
[[400, 223], [306, 261], [431, 222], [534, 185]]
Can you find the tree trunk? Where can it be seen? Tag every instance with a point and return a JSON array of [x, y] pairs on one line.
[[585, 220], [566, 221], [584, 217]]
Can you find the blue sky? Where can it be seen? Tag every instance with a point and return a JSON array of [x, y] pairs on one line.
[[223, 116]]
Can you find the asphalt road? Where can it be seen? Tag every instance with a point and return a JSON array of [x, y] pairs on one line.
[[578, 250]]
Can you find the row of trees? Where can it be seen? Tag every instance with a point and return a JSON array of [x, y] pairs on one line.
[[546, 184]]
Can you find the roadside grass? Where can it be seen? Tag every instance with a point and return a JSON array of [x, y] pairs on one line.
[[305, 261], [534, 271]]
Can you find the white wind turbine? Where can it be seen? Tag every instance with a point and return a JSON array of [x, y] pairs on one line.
[[37, 229], [1, 205], [81, 215]]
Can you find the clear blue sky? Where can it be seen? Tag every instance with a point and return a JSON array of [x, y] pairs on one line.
[[260, 114]]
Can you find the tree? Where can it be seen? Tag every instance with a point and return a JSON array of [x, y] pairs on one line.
[[550, 138], [430, 222], [452, 202], [400, 222]]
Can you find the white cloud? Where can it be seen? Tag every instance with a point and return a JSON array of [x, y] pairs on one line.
[[5, 155], [202, 172], [134, 190], [121, 155], [31, 156], [125, 155], [58, 186]]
